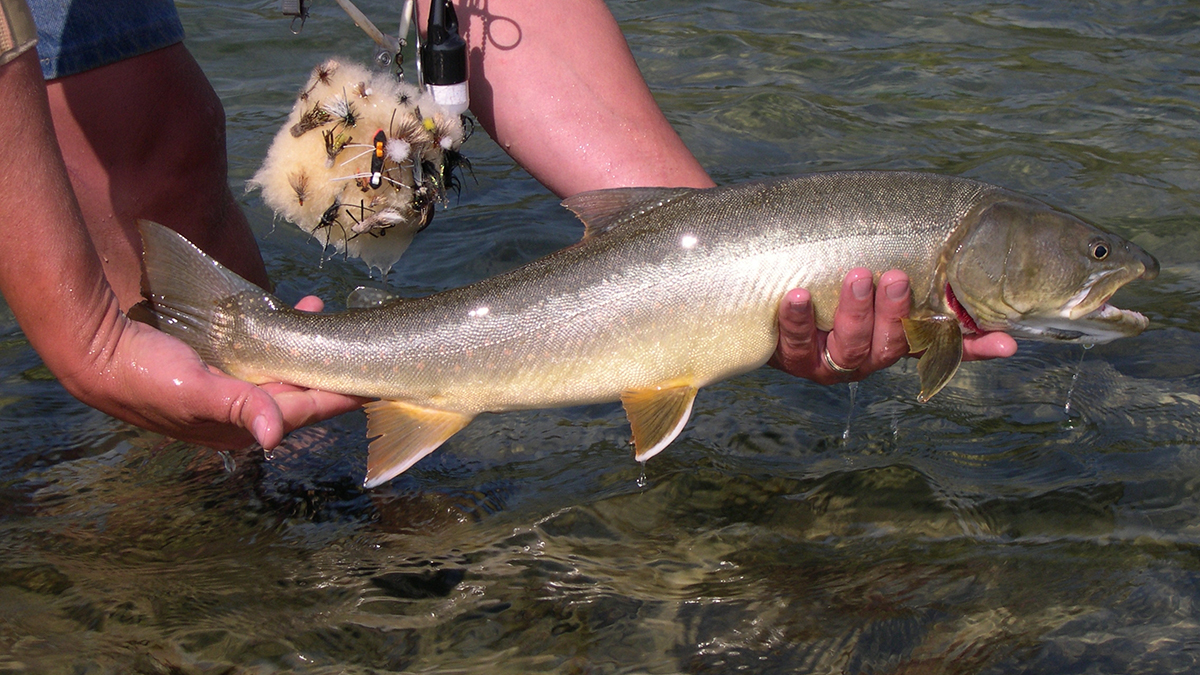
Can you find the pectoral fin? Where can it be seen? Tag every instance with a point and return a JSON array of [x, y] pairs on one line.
[[657, 415], [406, 433], [940, 337]]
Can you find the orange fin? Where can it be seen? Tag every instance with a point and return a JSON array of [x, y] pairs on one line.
[[405, 433], [602, 210], [657, 415]]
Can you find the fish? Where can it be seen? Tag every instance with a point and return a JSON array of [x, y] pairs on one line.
[[669, 290]]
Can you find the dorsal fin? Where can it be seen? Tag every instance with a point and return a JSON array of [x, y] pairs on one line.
[[602, 210]]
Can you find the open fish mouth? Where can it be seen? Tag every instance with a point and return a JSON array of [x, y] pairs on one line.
[[1103, 324], [1070, 324], [1077, 306], [1112, 314]]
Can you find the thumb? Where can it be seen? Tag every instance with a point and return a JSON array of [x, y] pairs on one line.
[[220, 411], [250, 408]]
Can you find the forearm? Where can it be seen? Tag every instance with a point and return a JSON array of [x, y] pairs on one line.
[[50, 274], [554, 83], [144, 137]]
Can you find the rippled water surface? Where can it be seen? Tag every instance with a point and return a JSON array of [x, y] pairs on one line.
[[992, 530]]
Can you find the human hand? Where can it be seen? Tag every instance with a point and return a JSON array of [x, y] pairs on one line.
[[867, 333], [154, 381], [71, 313]]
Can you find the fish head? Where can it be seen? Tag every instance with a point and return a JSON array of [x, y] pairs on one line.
[[1026, 269]]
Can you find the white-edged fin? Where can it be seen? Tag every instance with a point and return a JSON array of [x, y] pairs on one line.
[[404, 433], [657, 415], [940, 337], [602, 210]]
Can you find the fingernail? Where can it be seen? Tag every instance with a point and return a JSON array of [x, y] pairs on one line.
[[897, 291], [259, 427], [798, 307], [862, 288]]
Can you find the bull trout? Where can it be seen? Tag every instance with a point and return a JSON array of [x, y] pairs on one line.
[[669, 290]]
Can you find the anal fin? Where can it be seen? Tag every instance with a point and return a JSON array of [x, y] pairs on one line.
[[940, 337], [657, 415], [404, 433]]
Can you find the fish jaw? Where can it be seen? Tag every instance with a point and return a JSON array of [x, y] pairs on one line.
[[1088, 317], [1103, 324], [1076, 322], [1081, 320]]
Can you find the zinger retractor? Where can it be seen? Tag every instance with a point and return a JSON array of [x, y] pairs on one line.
[[443, 58], [361, 161]]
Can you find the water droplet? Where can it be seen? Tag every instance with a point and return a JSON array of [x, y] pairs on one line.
[[641, 479], [1074, 380], [227, 458], [850, 415]]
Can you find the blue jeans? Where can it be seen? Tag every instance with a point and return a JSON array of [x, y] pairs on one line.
[[78, 35]]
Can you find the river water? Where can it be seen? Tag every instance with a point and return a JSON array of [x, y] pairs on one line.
[[996, 529]]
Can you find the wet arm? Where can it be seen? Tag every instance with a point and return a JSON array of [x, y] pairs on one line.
[[53, 281], [554, 83]]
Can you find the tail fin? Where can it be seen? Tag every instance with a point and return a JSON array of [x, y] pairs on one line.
[[185, 290]]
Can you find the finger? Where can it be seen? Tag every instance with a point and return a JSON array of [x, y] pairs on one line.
[[892, 303], [849, 343], [260, 415], [310, 303], [988, 346], [798, 351], [227, 413], [164, 386], [302, 407]]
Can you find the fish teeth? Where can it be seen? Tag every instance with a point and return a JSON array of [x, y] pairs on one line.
[[1113, 314]]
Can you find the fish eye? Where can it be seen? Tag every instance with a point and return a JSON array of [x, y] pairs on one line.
[[1099, 250]]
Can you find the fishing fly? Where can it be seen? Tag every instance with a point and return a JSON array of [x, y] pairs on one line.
[[336, 189], [377, 159], [334, 144]]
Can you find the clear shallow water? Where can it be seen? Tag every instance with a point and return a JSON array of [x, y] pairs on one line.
[[989, 531]]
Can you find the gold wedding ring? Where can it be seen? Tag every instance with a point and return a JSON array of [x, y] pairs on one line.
[[833, 366]]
